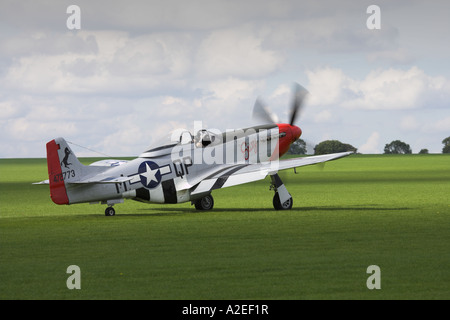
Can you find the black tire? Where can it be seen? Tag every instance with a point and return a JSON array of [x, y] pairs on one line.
[[285, 206], [109, 212], [205, 203]]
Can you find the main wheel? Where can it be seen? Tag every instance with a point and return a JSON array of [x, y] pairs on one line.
[[287, 205], [205, 203], [109, 212]]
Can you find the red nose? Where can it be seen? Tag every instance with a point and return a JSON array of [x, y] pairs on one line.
[[296, 133], [291, 133]]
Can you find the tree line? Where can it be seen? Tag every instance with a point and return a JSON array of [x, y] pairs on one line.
[[335, 146]]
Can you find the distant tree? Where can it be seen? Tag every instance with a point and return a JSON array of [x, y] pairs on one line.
[[423, 151], [397, 147], [446, 143], [333, 146], [298, 147]]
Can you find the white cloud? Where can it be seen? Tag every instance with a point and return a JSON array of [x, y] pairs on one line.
[[398, 56], [372, 145], [233, 88], [121, 63], [282, 91], [228, 103], [390, 89], [138, 69], [323, 116], [326, 86], [32, 130], [8, 109], [442, 125], [48, 43], [236, 52]]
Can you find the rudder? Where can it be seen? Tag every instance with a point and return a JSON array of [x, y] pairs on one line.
[[62, 166]]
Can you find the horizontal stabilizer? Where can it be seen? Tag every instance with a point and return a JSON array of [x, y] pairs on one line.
[[92, 180], [42, 182], [103, 180]]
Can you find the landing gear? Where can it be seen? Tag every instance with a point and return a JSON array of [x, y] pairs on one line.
[[282, 200], [287, 205], [205, 203], [109, 212]]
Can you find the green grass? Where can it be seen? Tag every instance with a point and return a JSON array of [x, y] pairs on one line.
[[390, 211]]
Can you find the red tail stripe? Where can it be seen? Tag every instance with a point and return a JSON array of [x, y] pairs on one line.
[[58, 191]]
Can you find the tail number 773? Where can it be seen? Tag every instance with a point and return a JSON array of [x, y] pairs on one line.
[[64, 175]]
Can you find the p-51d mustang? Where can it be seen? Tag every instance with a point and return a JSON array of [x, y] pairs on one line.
[[187, 168]]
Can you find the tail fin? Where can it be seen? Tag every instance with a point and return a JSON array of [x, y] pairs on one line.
[[63, 166]]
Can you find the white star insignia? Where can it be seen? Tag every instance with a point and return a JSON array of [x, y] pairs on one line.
[[149, 174]]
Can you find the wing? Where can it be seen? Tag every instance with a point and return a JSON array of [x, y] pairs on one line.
[[305, 161], [244, 173]]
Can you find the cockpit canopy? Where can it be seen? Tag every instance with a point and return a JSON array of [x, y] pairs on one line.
[[165, 144], [204, 138]]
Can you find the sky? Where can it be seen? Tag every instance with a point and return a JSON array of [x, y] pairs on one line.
[[136, 70]]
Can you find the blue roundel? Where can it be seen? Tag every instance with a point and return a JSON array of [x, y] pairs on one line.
[[150, 174]]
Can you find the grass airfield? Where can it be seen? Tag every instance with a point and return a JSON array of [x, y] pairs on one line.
[[386, 210]]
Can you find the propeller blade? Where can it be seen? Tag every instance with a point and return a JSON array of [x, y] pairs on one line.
[[261, 112], [299, 97]]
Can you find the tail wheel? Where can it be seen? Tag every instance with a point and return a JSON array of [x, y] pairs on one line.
[[109, 212], [205, 203], [287, 205]]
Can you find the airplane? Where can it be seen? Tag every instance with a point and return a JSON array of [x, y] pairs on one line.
[[185, 167]]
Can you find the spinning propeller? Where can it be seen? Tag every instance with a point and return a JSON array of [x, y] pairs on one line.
[[297, 104], [263, 113]]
